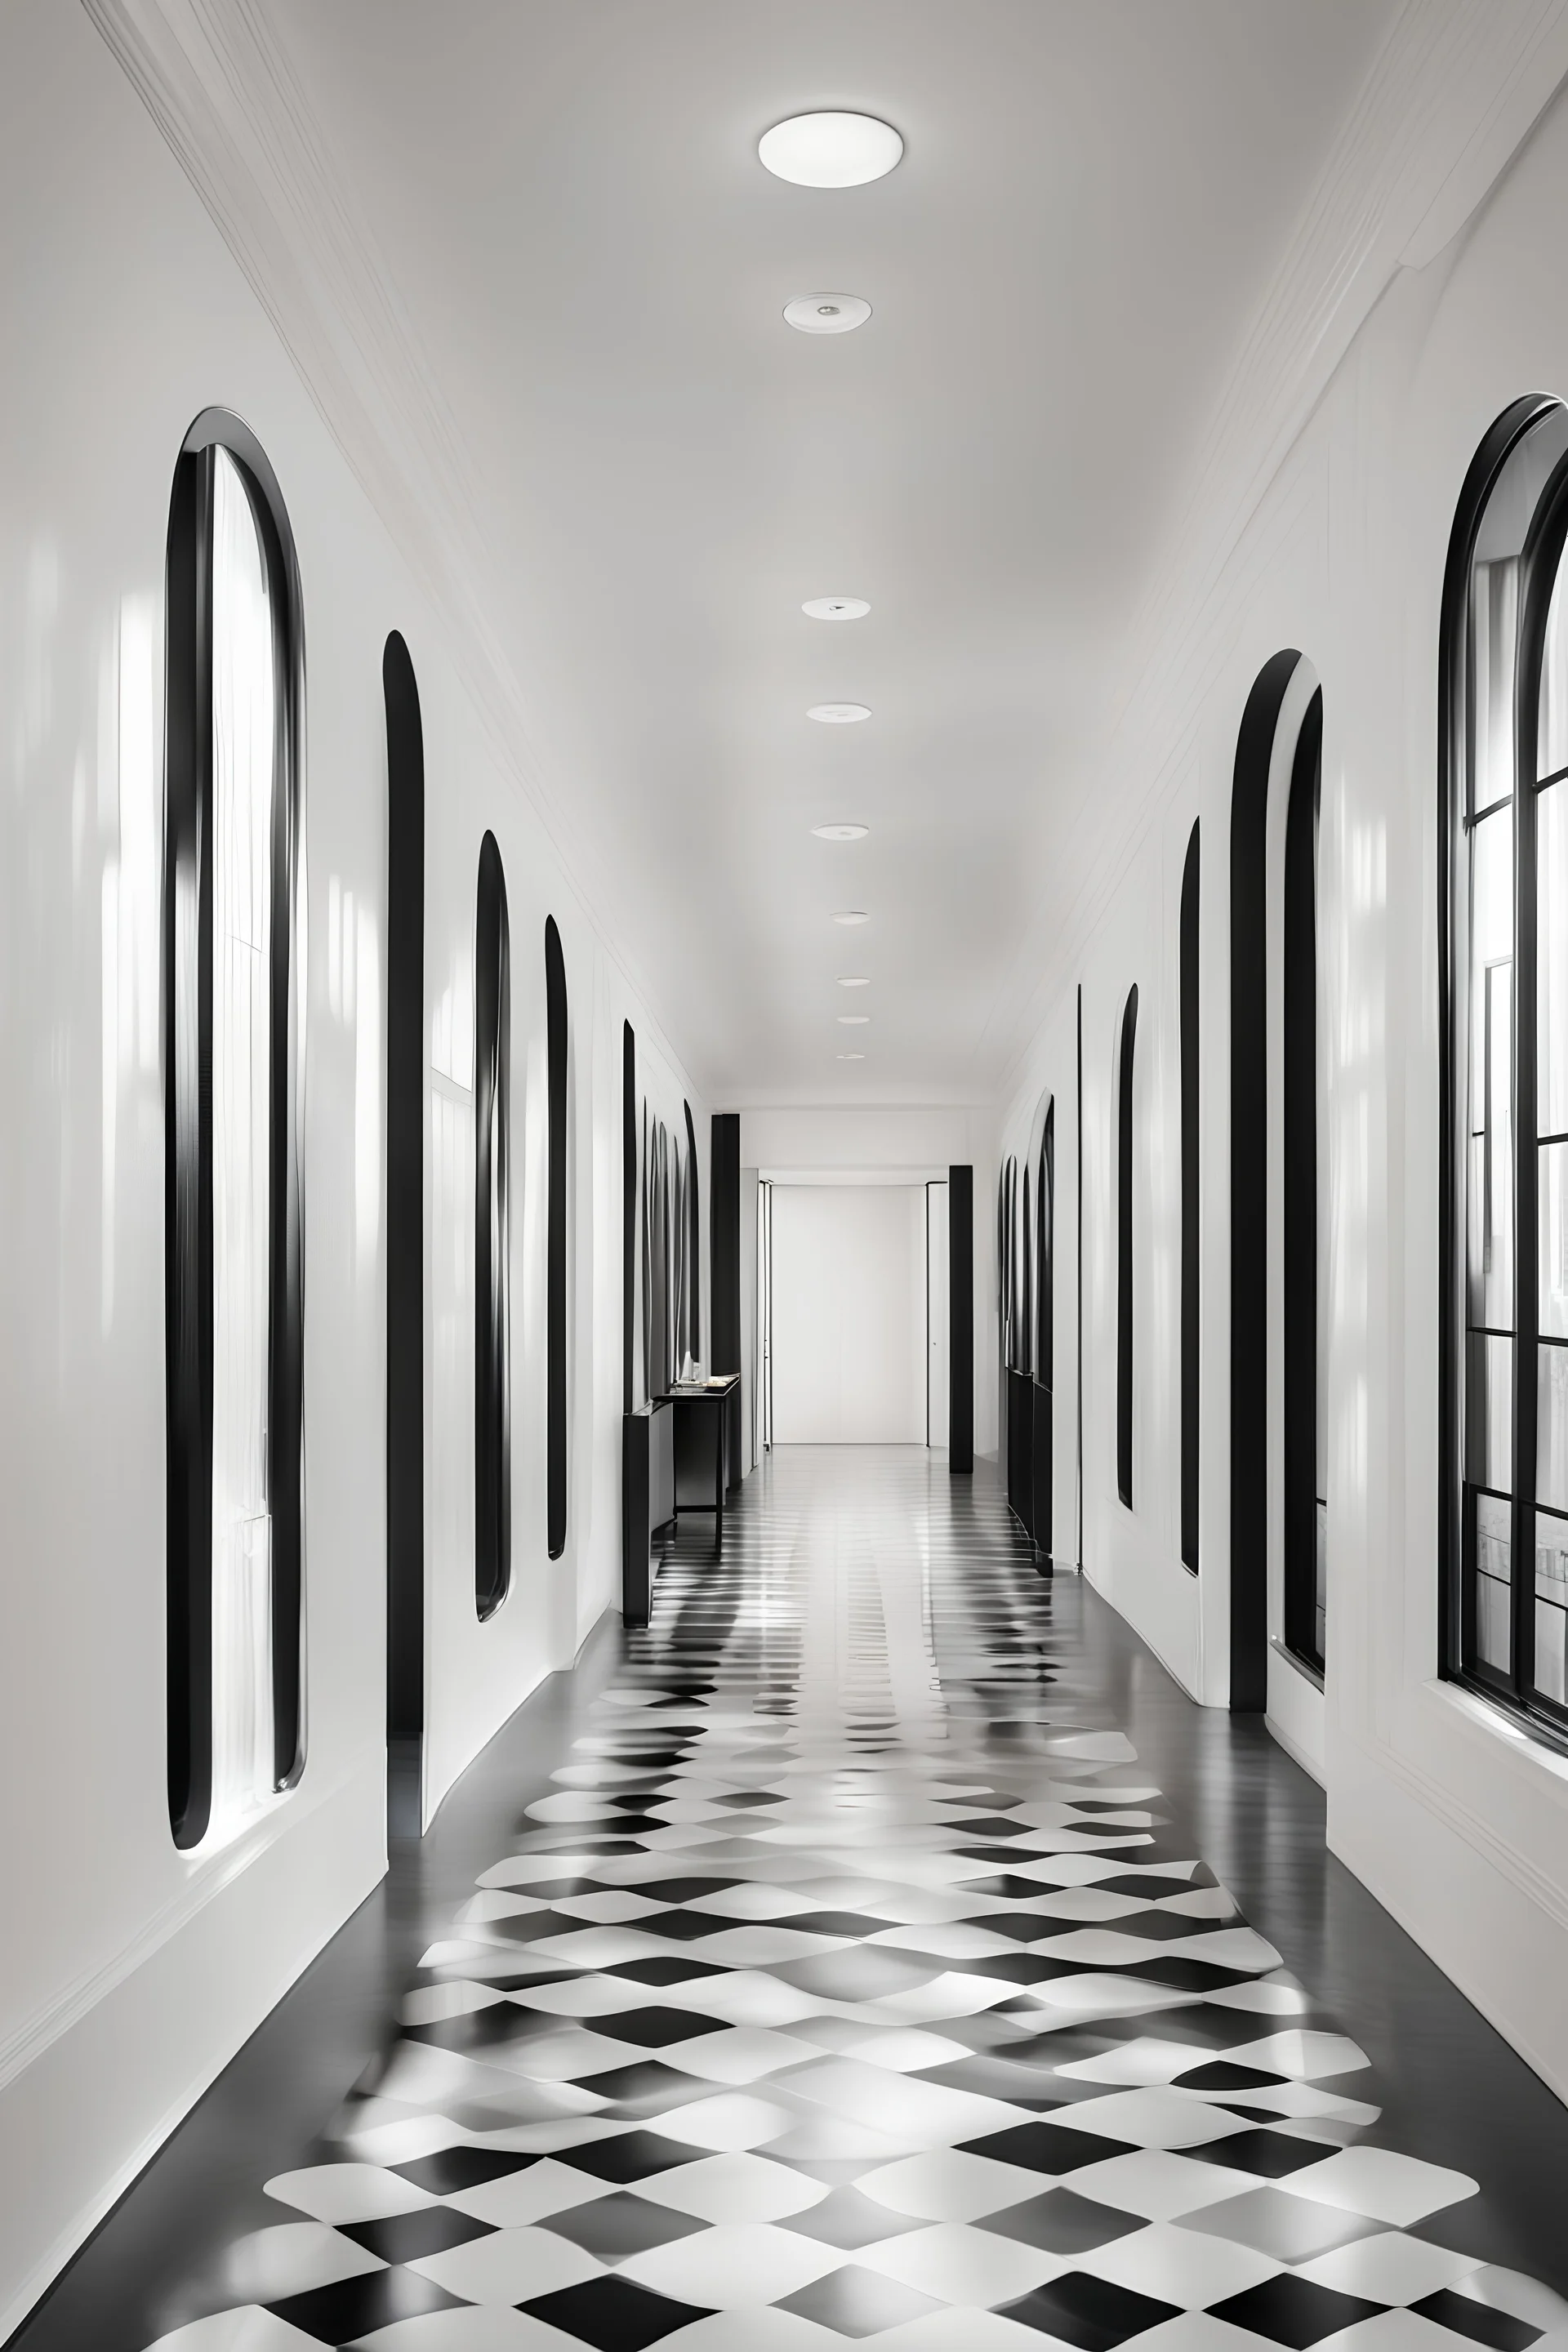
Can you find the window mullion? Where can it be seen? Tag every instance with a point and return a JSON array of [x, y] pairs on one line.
[[1526, 1304]]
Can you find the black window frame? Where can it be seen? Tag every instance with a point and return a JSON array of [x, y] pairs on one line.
[[1044, 1291], [187, 1037], [1190, 1018], [1541, 561], [1299, 1499], [493, 1234], [1125, 1107], [557, 1047]]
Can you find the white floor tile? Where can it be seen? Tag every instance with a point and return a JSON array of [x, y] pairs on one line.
[[734, 2265], [1179, 2265], [1385, 2186], [737, 2187], [959, 2264], [509, 2266], [347, 2192]]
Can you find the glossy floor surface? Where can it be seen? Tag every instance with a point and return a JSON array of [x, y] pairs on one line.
[[837, 1971]]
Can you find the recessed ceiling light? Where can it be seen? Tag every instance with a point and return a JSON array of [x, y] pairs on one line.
[[830, 151], [849, 1058], [838, 714], [847, 915], [835, 608], [841, 832], [853, 1020], [827, 314], [854, 979]]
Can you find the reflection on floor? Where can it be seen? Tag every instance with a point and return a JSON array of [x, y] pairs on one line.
[[852, 1983]]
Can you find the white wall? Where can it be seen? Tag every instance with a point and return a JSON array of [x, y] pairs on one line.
[[1457, 1822], [848, 1321], [868, 1144], [134, 1971]]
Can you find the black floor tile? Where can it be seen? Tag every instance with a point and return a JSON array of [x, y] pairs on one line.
[[1081, 2309], [336, 2315], [1060, 2221], [614, 2315], [1295, 2311], [632, 2156], [613, 2228], [1480, 2321]]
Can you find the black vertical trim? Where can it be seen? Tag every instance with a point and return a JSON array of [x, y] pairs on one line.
[[961, 1319], [1298, 1081], [724, 1260], [405, 1195], [492, 1264], [629, 1212], [1248, 1186], [1078, 1246], [1191, 1244], [725, 1239], [1124, 1329], [187, 955], [1043, 1439], [555, 1242]]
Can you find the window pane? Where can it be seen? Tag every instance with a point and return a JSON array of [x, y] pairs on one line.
[[1552, 1210], [1489, 1414], [1493, 1546], [1551, 1605], [1552, 1427], [244, 705], [1551, 960], [1494, 628], [1551, 727], [1489, 1206]]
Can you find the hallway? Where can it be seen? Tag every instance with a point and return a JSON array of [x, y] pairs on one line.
[[849, 1976]]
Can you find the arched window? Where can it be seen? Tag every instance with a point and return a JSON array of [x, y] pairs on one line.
[[555, 1241], [1044, 1301], [1304, 1499], [492, 1255], [232, 1112], [1191, 1255], [1125, 1100], [1504, 750]]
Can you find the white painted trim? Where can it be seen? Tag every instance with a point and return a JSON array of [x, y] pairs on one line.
[[207, 1879]]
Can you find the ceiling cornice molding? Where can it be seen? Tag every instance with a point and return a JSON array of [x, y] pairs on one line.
[[222, 89], [1455, 89]]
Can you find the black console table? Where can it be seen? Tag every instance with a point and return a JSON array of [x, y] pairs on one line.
[[705, 1468]]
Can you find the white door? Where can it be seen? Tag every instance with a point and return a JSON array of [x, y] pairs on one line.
[[848, 1314]]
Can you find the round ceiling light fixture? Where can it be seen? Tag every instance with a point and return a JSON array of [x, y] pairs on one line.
[[849, 1058], [841, 832], [838, 714], [849, 915], [854, 979], [827, 314], [835, 608], [853, 1020], [830, 151]]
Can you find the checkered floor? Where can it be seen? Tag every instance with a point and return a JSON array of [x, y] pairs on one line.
[[852, 1985]]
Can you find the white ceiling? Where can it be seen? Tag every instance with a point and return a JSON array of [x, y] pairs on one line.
[[566, 193]]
